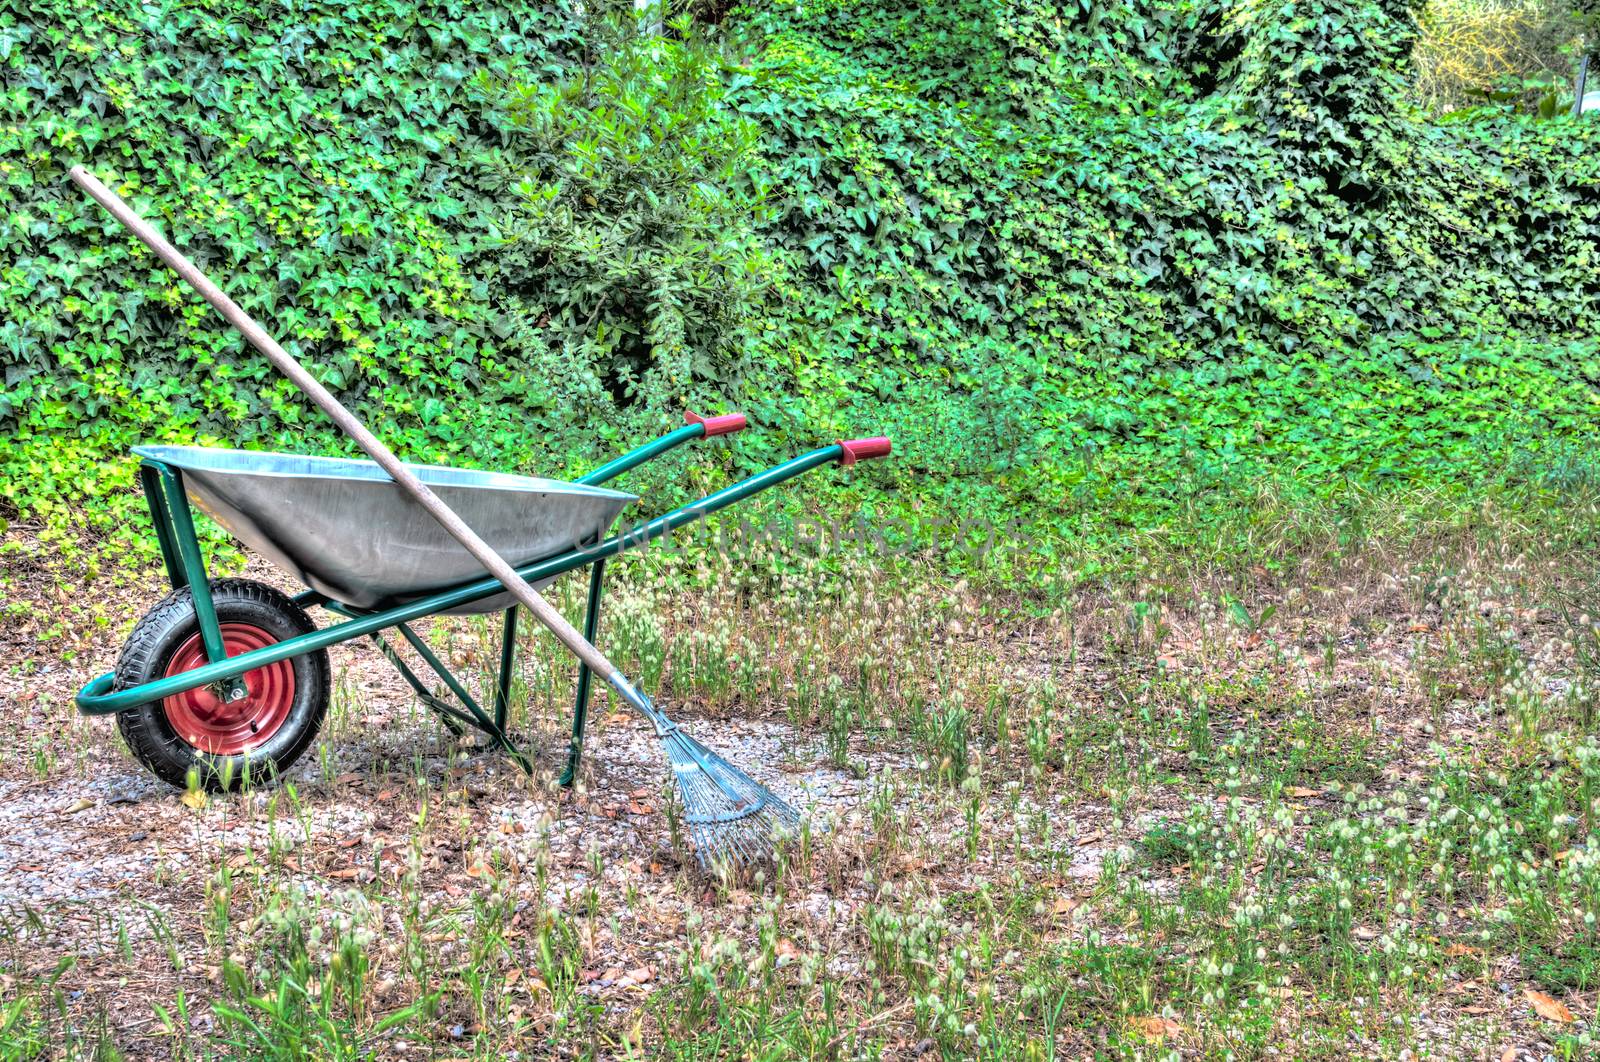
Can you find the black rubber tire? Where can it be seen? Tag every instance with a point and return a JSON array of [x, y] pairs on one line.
[[163, 630]]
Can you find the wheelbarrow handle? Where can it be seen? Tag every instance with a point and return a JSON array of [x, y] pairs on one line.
[[862, 449], [724, 424]]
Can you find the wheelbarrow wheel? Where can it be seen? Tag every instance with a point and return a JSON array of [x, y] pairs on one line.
[[220, 741]]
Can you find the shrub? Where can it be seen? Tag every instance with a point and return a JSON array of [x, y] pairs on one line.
[[346, 170], [1103, 269], [633, 242]]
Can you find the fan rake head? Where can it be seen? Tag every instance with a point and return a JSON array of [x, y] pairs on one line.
[[730, 815]]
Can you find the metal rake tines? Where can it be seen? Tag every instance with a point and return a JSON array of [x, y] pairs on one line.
[[729, 814]]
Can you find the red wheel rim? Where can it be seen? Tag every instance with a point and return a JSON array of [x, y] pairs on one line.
[[225, 728]]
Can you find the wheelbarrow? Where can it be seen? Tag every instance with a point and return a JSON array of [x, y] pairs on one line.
[[229, 679]]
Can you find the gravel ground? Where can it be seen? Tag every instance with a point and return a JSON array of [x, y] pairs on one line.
[[101, 862]]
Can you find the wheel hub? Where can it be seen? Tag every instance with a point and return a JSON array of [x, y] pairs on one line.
[[227, 722]]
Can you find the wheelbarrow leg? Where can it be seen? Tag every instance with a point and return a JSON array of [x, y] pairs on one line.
[[508, 659], [580, 707]]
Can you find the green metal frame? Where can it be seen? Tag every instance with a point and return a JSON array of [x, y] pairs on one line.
[[180, 551]]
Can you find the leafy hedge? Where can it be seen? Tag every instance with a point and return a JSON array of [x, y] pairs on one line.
[[351, 171], [1087, 262], [1178, 237]]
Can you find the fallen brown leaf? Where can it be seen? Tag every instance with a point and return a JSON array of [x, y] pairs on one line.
[[1548, 1007], [1152, 1027]]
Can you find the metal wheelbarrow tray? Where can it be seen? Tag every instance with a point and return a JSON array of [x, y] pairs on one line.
[[347, 531], [227, 679]]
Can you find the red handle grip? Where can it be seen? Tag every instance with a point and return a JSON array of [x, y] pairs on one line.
[[862, 449], [726, 424]]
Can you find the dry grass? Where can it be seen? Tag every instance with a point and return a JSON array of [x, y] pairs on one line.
[[1296, 789], [1468, 48]]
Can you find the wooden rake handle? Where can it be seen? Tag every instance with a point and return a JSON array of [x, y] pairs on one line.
[[347, 422]]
